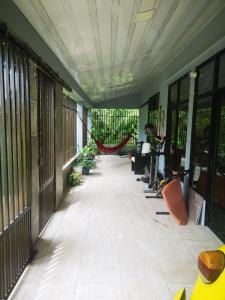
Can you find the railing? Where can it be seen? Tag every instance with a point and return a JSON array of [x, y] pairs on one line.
[[15, 249]]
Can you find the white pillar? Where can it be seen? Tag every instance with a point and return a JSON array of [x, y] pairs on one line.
[[189, 132]]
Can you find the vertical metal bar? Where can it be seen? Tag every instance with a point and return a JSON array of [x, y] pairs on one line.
[[51, 130], [24, 128], [13, 132], [3, 192], [2, 279], [40, 138], [48, 131], [8, 155], [67, 134], [22, 135], [27, 129], [53, 133], [70, 125], [64, 133], [16, 162], [18, 131], [49, 141]]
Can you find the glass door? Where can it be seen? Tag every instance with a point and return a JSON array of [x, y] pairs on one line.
[[217, 209]]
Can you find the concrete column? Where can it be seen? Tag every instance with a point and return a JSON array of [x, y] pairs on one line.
[[79, 127], [189, 131], [58, 142], [34, 151]]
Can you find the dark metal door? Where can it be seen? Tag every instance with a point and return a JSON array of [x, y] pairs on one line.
[[46, 122], [217, 203], [15, 169]]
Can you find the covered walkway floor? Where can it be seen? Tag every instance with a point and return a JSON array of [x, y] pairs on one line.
[[106, 243]]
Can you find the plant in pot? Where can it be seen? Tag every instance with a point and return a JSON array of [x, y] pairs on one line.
[[75, 178], [86, 162]]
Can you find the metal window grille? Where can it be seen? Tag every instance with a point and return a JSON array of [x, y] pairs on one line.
[[69, 129], [110, 126], [46, 126], [15, 168]]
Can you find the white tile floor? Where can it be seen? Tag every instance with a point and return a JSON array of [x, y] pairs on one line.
[[106, 243]]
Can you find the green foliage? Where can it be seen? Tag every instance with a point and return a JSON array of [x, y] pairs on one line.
[[86, 157], [75, 178], [110, 126]]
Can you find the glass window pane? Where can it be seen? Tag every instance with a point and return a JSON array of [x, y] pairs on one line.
[[184, 89], [201, 145], [154, 110], [182, 127], [153, 118], [221, 82], [219, 176], [206, 75], [173, 92]]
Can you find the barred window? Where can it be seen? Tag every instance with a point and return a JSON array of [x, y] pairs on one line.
[[69, 129]]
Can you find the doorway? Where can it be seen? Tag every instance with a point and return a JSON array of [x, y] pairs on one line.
[[46, 122], [217, 203], [208, 141]]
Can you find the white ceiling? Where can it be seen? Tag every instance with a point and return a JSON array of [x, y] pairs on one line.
[[104, 49]]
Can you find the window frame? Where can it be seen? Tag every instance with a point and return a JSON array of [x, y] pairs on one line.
[[214, 93], [169, 117]]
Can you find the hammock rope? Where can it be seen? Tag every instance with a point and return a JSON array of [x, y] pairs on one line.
[[100, 146]]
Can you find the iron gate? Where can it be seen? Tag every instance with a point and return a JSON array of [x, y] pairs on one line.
[[110, 126], [46, 120], [15, 168]]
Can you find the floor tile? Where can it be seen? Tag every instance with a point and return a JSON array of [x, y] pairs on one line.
[[85, 291], [105, 242], [145, 291]]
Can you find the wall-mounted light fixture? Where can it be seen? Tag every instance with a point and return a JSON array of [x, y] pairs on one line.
[[192, 75]]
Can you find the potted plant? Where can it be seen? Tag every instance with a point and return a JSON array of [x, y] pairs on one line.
[[75, 178], [86, 159], [87, 164]]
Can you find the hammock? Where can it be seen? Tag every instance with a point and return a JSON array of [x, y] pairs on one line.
[[100, 146], [106, 149]]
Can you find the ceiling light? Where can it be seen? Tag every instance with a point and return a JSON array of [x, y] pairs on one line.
[[144, 16]]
